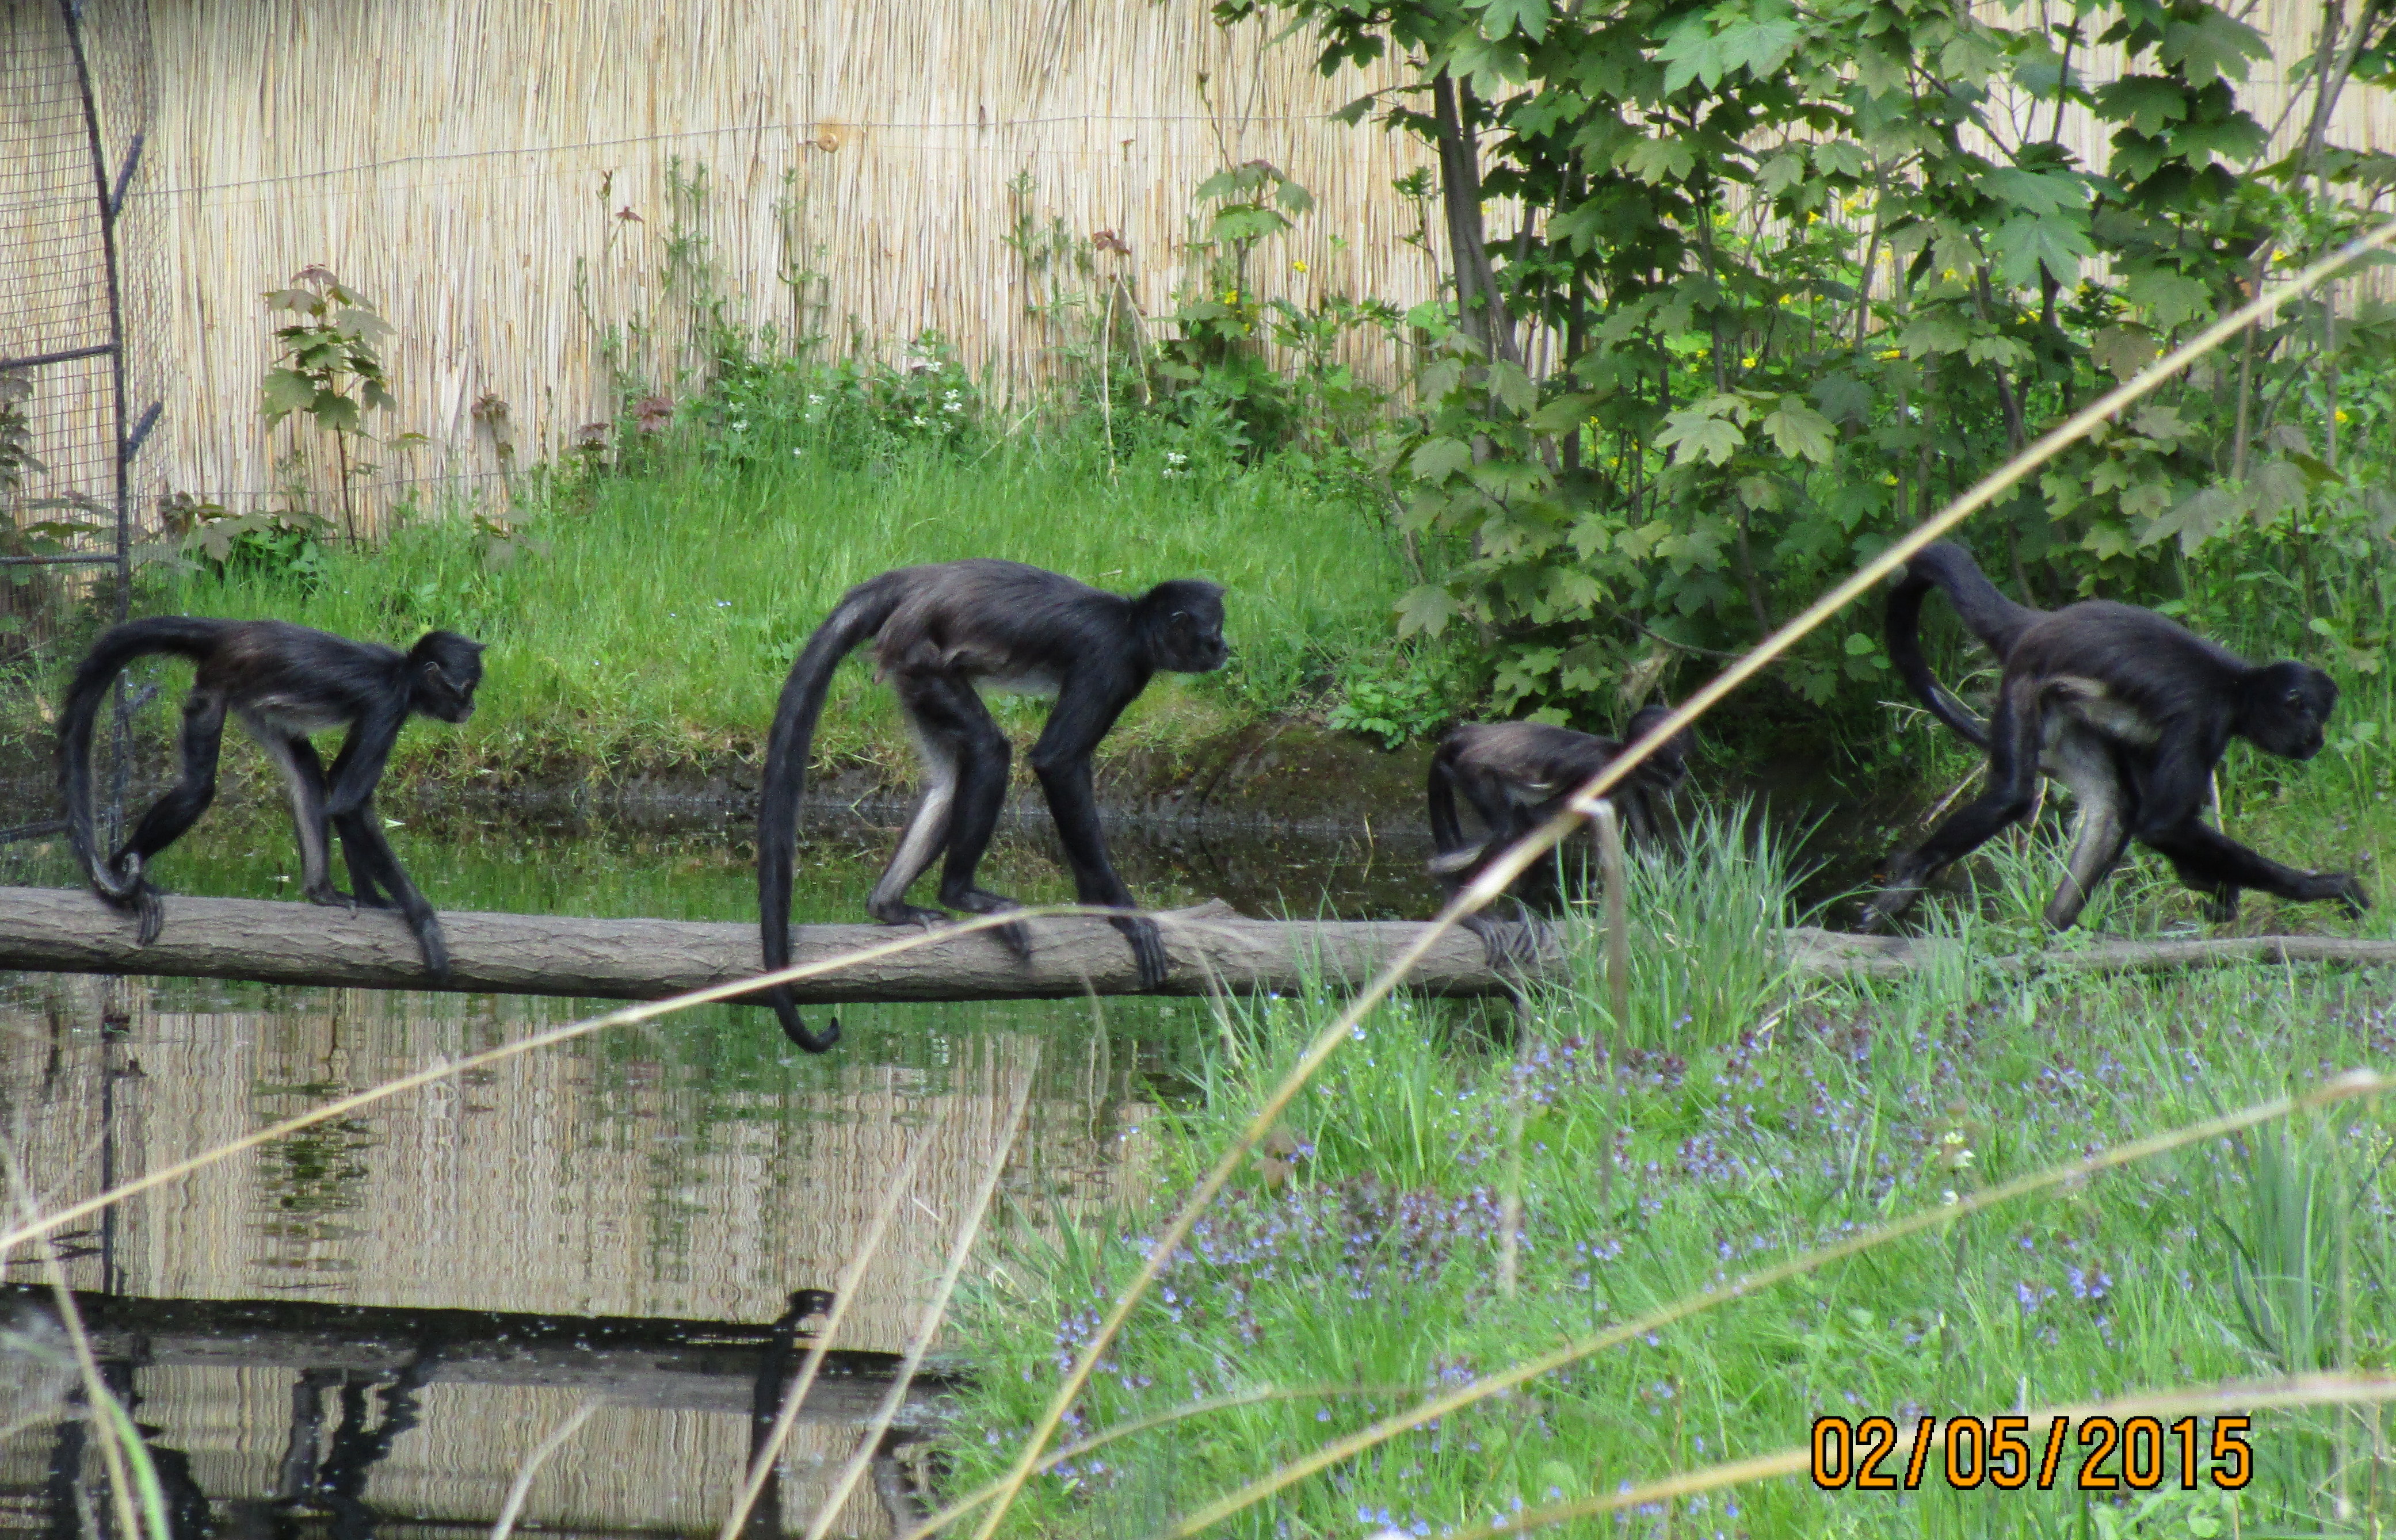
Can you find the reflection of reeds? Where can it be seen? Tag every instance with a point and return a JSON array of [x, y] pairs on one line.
[[761, 1464], [1501, 875], [969, 1231], [132, 1478]]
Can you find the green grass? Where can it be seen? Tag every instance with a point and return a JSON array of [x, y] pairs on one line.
[[656, 629], [1742, 1116]]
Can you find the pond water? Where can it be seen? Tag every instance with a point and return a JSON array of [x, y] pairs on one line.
[[689, 1173]]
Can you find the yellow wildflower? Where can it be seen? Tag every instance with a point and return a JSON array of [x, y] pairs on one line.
[[1889, 480], [2341, 414], [1892, 352], [1297, 267], [1747, 362]]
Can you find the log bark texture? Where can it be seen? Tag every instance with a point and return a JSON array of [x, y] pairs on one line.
[[69, 930], [1839, 952]]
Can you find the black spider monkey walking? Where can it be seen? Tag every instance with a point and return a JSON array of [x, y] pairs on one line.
[[2130, 711], [939, 633], [1517, 775], [282, 683]]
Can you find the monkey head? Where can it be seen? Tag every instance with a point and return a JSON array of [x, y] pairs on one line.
[[1182, 621], [1669, 765], [444, 670], [2282, 708]]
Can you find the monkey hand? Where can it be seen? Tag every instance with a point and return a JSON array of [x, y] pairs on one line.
[[151, 913], [2347, 889], [1146, 949], [1016, 938]]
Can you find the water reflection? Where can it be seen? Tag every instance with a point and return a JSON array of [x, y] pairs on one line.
[[693, 1173]]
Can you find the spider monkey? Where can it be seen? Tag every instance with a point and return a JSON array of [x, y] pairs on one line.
[[940, 635], [282, 683], [1517, 775], [2130, 711]]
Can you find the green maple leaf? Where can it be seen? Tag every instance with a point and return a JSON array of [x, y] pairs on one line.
[[2210, 47], [1693, 52], [1441, 458], [2026, 244], [1529, 17], [1694, 432], [1426, 609], [1760, 45], [1658, 160], [284, 394], [1801, 432]]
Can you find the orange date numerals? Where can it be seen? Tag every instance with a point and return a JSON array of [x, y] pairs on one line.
[[2136, 1453]]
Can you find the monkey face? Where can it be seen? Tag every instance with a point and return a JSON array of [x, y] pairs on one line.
[[1191, 640], [2285, 708], [448, 668]]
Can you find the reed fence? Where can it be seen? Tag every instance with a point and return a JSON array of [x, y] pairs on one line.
[[502, 181]]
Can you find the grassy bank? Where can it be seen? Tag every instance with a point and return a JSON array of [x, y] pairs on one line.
[[648, 619], [1738, 1118]]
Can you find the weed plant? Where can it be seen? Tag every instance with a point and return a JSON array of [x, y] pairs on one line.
[[1739, 1117]]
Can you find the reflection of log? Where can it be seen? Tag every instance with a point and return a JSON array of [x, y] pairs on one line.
[[68, 930], [625, 1361], [1837, 952]]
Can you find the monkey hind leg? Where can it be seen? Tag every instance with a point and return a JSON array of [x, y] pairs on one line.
[[927, 829], [2083, 760]]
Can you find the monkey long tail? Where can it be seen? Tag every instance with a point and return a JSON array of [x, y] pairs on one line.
[[1446, 833], [172, 635], [1995, 619], [859, 614]]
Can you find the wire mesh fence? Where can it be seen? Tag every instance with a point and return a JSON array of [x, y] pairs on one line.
[[78, 390]]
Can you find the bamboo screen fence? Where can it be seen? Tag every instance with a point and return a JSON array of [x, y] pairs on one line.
[[497, 181]]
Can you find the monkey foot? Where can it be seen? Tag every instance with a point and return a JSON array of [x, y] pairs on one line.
[[330, 896], [911, 915], [1146, 949]]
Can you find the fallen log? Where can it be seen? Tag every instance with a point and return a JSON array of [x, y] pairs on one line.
[[1211, 951], [1842, 953]]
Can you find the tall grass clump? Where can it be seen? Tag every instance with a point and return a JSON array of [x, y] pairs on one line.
[[1362, 1260]]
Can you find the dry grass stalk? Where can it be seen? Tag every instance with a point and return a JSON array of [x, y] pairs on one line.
[[1500, 873], [521, 1488], [122, 1453], [1618, 913], [969, 1231], [2328, 1389], [761, 1468]]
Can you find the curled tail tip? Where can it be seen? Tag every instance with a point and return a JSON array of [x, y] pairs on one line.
[[794, 1027]]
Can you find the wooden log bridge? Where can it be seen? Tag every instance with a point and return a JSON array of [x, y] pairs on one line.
[[1212, 949]]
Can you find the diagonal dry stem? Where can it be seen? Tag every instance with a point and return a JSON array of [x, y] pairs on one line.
[[2331, 1389], [1501, 872], [131, 1477], [761, 1468], [521, 1488], [1257, 1395], [2351, 1085], [969, 1231]]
